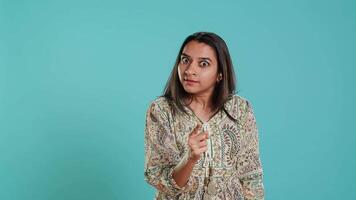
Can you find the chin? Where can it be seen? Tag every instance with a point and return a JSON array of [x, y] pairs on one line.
[[189, 90]]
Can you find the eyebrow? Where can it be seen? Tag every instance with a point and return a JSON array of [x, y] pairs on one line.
[[204, 58]]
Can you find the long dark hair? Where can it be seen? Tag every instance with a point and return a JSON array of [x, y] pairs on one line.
[[224, 89]]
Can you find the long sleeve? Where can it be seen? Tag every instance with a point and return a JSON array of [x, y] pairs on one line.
[[161, 152], [248, 159]]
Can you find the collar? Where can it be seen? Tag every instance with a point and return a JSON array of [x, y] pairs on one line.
[[231, 106]]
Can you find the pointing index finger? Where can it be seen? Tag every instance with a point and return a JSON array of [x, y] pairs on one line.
[[196, 129]]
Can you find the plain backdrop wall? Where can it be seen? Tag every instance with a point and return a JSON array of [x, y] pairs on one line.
[[76, 78]]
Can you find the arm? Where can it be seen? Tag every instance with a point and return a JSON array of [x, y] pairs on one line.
[[197, 146], [161, 153], [248, 159], [182, 171]]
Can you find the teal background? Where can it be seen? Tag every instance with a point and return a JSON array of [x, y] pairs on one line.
[[76, 78]]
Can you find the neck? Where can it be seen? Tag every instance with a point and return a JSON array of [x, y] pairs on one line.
[[201, 102]]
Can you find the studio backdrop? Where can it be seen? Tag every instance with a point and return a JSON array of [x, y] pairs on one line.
[[76, 79]]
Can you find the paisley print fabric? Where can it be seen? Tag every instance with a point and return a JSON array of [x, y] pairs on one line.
[[237, 167]]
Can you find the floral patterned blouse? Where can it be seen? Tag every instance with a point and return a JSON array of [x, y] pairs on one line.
[[236, 168]]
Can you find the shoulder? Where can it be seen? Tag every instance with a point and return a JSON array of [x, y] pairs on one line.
[[237, 106], [236, 101], [160, 104]]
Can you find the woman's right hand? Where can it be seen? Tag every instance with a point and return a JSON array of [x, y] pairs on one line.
[[197, 144]]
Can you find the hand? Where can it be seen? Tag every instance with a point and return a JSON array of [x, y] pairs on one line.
[[197, 144]]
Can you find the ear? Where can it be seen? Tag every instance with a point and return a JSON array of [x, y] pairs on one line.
[[219, 77]]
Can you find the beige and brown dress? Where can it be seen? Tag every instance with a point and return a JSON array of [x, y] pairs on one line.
[[237, 167]]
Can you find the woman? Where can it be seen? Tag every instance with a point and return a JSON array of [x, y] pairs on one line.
[[201, 139]]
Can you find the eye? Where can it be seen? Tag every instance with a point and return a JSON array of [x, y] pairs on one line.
[[184, 60], [204, 64]]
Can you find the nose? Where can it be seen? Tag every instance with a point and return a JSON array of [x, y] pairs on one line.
[[191, 69]]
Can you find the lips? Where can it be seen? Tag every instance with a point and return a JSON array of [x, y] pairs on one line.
[[190, 81]]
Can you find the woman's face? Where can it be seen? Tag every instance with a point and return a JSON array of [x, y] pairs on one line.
[[198, 68]]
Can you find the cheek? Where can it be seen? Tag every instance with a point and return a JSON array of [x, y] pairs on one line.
[[180, 72], [181, 68], [209, 76]]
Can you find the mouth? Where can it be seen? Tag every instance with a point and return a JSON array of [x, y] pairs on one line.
[[190, 81]]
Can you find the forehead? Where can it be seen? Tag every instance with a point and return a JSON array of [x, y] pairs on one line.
[[199, 49]]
